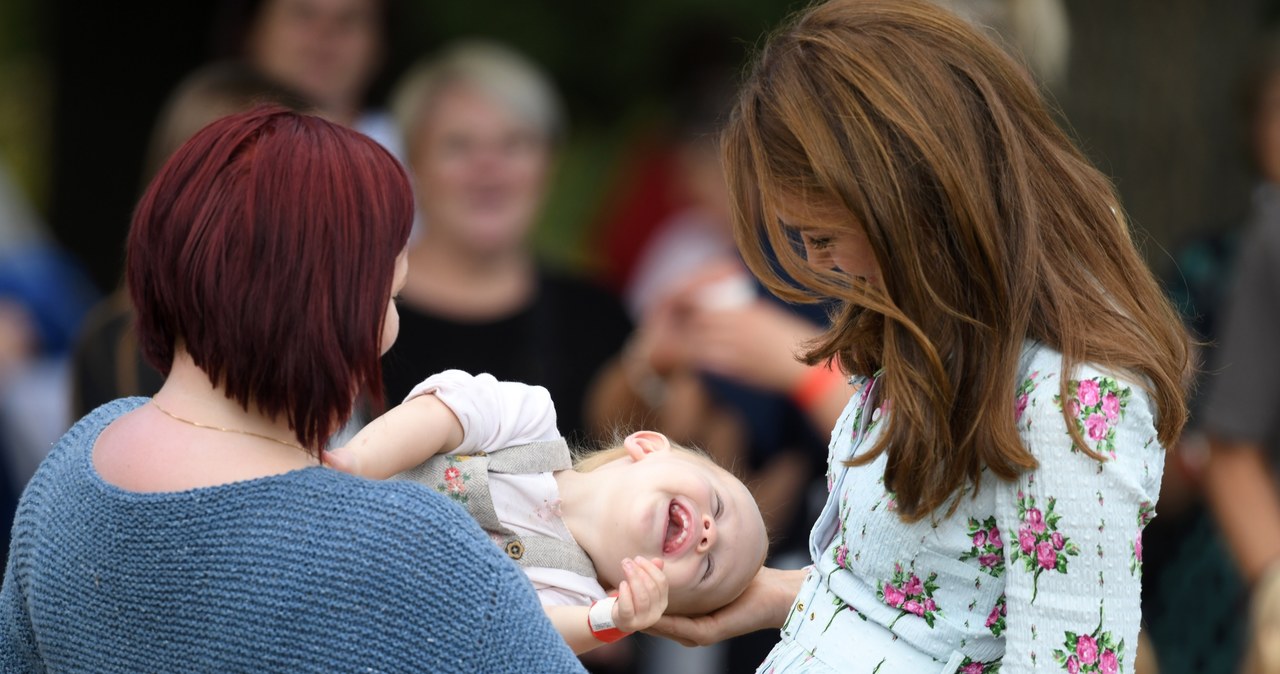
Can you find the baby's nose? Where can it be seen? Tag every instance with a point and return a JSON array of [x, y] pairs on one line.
[[708, 534]]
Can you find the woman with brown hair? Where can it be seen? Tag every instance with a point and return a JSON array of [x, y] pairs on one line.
[[1018, 367]]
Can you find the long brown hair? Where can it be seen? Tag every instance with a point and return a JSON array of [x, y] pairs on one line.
[[988, 225]]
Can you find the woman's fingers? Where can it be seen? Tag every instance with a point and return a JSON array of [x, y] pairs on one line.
[[683, 630]]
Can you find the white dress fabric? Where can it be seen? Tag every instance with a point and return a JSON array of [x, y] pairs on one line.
[[1041, 574]]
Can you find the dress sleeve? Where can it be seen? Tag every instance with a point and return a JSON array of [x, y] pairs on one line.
[[1074, 558], [494, 414]]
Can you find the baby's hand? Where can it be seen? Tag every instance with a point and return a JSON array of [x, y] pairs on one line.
[[642, 597]]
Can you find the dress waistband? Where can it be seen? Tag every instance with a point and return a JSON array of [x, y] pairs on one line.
[[837, 634]]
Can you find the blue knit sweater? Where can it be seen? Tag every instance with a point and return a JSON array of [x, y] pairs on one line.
[[312, 570]]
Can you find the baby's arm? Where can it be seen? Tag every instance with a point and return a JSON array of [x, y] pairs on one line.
[[641, 600], [449, 412], [404, 437]]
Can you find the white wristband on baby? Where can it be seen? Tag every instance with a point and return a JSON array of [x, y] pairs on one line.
[[600, 621]]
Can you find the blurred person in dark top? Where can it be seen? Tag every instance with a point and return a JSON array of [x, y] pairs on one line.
[[1242, 399], [329, 51]]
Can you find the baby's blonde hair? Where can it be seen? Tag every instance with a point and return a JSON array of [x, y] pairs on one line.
[[585, 461]]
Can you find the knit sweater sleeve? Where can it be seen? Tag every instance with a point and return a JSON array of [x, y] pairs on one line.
[[1074, 547], [465, 581], [17, 638], [433, 568]]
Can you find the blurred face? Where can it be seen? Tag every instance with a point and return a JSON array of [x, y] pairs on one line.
[[1267, 130], [391, 323], [680, 507], [703, 178], [481, 172], [326, 49], [832, 240]]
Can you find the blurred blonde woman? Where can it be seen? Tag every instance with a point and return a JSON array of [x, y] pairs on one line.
[[480, 125]]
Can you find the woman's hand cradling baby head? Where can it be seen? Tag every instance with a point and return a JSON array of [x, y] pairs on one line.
[[764, 605]]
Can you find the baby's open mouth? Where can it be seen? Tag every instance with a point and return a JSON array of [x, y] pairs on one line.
[[678, 524]]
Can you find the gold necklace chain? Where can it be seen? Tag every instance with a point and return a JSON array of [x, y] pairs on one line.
[[209, 427]]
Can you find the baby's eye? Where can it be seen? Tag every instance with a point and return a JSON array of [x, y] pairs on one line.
[[719, 506]]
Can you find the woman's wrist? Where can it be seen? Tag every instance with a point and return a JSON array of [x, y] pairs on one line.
[[786, 585]]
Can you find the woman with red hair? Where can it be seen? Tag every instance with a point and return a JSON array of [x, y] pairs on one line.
[[197, 530]]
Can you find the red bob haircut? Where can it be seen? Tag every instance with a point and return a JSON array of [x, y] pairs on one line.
[[265, 248]]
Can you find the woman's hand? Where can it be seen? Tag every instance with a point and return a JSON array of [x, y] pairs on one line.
[[763, 605], [754, 344]]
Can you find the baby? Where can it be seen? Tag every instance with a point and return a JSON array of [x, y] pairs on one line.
[[611, 542]]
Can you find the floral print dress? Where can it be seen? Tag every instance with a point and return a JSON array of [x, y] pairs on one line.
[[1041, 574]]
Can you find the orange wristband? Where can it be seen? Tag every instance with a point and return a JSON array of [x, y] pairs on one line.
[[815, 383]]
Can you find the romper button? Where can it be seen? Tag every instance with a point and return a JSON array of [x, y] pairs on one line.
[[515, 550], [813, 615], [800, 607]]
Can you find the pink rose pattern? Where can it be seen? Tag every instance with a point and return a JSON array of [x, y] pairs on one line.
[[971, 666], [1146, 512], [988, 546], [1041, 547], [858, 431], [888, 498], [1097, 406], [840, 553], [995, 620], [1097, 651], [455, 481], [908, 593], [1022, 397]]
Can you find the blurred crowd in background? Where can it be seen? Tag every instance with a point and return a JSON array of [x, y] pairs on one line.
[[572, 224]]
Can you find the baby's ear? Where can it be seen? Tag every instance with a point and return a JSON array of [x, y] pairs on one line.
[[641, 443]]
